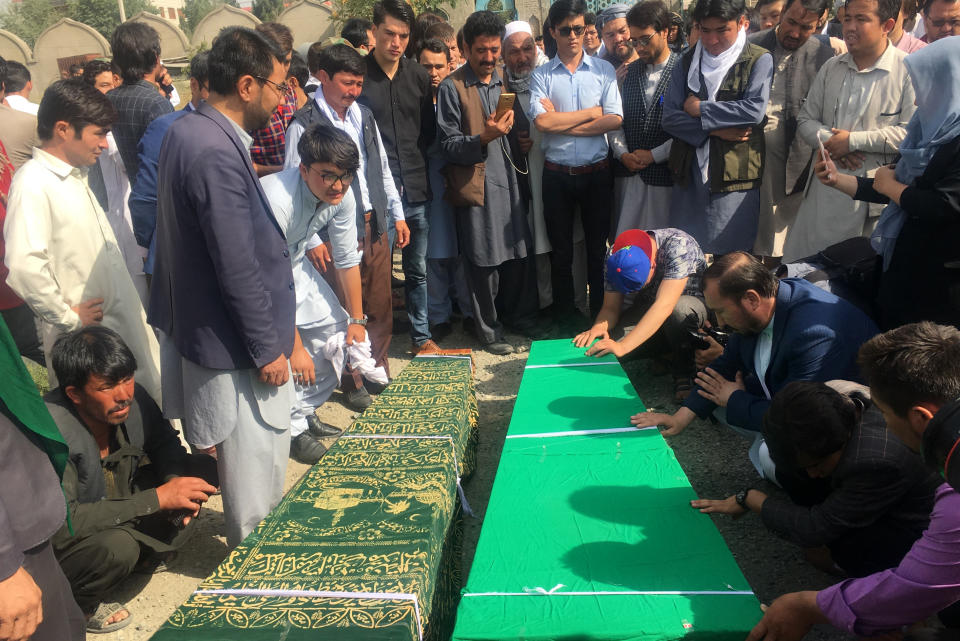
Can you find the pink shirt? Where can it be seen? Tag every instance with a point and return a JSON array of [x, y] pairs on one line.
[[909, 43]]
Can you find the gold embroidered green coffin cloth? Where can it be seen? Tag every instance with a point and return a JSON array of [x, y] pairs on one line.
[[367, 544]]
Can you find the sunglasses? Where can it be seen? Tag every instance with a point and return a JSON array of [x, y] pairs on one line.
[[282, 87], [641, 42], [577, 30]]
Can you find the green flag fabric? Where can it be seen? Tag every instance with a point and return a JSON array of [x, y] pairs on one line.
[[589, 533]]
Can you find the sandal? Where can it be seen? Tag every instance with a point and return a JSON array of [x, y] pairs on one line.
[[97, 623], [682, 387]]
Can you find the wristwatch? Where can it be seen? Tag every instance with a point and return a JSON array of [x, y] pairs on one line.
[[358, 321], [741, 498]]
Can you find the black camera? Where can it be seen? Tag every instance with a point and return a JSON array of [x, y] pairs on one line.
[[941, 443], [699, 342]]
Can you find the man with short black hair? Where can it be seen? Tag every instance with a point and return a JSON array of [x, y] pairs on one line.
[[715, 108], [858, 107], [143, 188], [397, 91], [18, 86], [490, 209], [18, 130], [941, 19], [642, 184], [783, 331], [222, 291], [913, 371], [341, 69], [132, 489], [102, 75], [269, 141], [574, 102], [445, 33], [798, 53], [136, 53], [591, 37], [63, 257], [359, 33]]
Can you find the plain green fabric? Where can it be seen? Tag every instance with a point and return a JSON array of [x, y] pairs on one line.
[[564, 352], [22, 404], [600, 513]]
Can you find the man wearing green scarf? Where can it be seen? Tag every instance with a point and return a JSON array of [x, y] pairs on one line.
[[35, 598]]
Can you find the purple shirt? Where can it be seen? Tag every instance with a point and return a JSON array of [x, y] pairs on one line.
[[909, 44], [925, 582]]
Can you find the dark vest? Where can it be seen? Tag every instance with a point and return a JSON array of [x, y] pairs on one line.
[[734, 166], [642, 128], [310, 114]]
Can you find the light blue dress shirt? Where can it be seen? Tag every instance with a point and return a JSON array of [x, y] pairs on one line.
[[594, 83], [761, 354]]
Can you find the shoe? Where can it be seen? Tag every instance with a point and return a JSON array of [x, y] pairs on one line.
[[426, 347], [373, 387], [97, 622], [441, 330], [319, 429], [358, 399], [306, 449], [499, 348]]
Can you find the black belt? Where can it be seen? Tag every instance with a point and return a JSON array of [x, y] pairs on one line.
[[576, 171]]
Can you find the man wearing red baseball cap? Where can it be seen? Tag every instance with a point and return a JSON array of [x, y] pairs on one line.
[[652, 283]]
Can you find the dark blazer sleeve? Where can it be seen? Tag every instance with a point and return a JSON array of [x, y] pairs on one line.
[[727, 365], [221, 193]]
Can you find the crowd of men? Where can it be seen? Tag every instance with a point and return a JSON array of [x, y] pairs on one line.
[[629, 180]]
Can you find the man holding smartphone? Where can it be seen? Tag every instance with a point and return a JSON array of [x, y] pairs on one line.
[[483, 184]]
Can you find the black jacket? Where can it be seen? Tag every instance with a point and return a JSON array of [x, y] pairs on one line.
[[923, 279]]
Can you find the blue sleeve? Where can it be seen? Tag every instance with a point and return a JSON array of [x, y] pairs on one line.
[[538, 90], [143, 192], [343, 233], [610, 99], [749, 110], [675, 120], [727, 364]]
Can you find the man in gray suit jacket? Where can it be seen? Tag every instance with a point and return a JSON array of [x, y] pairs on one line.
[[222, 291]]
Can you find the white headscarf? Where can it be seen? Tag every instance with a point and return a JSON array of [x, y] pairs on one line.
[[714, 70]]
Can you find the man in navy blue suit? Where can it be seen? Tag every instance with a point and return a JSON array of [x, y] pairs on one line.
[[222, 292], [784, 331]]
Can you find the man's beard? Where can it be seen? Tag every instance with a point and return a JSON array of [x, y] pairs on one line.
[[520, 83], [627, 52]]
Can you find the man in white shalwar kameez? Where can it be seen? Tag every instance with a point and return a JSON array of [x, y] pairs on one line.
[[858, 106], [61, 251]]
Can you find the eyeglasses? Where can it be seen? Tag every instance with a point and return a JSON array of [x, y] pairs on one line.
[[332, 179], [577, 30], [641, 42], [940, 24], [282, 87]]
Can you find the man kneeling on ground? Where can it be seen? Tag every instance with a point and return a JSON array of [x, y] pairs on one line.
[[653, 282], [124, 511], [880, 494]]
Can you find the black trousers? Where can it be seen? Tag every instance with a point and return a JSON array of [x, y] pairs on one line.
[[562, 192], [62, 619], [23, 326], [673, 337]]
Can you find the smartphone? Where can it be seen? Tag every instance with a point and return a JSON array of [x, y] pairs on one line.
[[823, 152], [505, 104]]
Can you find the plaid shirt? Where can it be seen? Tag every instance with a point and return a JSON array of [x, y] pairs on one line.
[[137, 104], [269, 142]]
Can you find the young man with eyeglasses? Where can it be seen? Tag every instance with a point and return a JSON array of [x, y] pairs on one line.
[[858, 106], [798, 53], [574, 102], [642, 183], [341, 71], [317, 195]]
